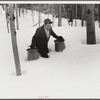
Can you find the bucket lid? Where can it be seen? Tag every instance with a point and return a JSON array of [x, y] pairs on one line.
[[58, 40], [32, 49]]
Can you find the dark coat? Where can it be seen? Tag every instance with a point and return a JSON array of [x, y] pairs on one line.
[[40, 40]]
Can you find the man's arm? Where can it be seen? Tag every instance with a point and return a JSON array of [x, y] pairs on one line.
[[60, 38], [54, 34], [34, 39]]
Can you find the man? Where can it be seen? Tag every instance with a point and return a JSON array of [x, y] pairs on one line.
[[41, 38]]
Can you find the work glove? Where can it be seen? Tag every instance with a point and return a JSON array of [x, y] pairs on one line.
[[60, 38]]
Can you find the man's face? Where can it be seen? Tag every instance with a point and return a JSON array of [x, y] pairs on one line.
[[48, 26]]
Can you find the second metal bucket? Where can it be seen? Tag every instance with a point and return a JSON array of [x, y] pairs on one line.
[[59, 45]]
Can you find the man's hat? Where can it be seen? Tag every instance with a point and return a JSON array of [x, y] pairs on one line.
[[47, 21]]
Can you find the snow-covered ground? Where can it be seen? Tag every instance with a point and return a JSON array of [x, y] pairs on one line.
[[73, 73]]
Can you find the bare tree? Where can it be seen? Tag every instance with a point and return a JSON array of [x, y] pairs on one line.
[[17, 23], [65, 13], [71, 13], [32, 14], [91, 38], [7, 16], [39, 16], [76, 15], [53, 13], [99, 14], [3, 6], [82, 14], [14, 40], [59, 15]]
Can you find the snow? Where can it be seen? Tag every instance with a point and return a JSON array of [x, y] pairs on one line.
[[73, 73]]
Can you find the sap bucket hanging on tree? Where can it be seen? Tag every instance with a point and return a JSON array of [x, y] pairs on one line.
[[59, 44], [32, 54]]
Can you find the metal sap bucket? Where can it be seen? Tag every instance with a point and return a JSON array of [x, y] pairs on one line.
[[59, 45], [32, 54]]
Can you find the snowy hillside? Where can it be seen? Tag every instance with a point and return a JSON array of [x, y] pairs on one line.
[[73, 73]]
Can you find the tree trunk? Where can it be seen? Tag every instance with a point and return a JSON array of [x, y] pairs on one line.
[[19, 11], [39, 16], [14, 40], [76, 15], [52, 14], [23, 11], [91, 39], [59, 15], [7, 16], [99, 14], [32, 16], [65, 13], [48, 10], [17, 17], [82, 15], [71, 13], [3, 6], [85, 15]]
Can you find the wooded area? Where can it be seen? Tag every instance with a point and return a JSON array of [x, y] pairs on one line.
[[87, 13], [70, 11]]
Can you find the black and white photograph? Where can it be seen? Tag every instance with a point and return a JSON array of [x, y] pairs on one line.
[[49, 49]]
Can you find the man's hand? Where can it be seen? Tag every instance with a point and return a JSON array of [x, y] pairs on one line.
[[60, 38]]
